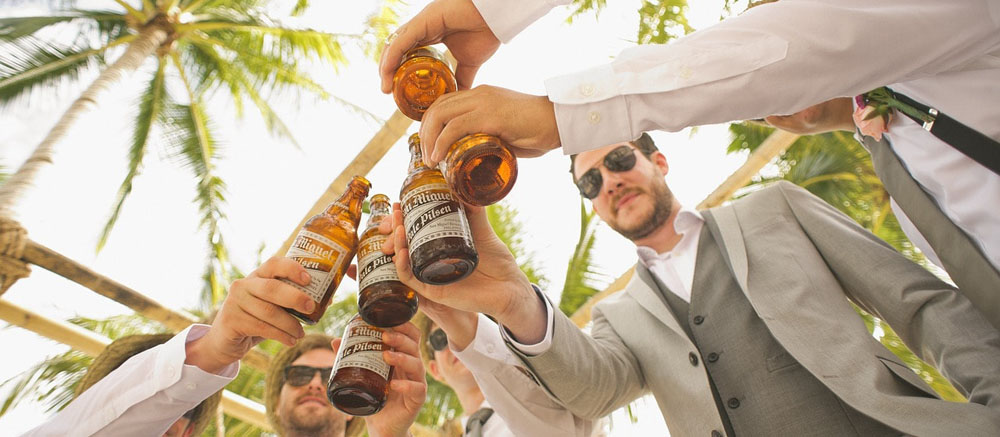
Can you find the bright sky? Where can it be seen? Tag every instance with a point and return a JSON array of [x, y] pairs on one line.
[[157, 248]]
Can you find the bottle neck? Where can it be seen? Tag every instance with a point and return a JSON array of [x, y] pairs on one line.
[[378, 212], [349, 205], [416, 160]]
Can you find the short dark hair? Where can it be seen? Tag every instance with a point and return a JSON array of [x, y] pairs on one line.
[[644, 143]]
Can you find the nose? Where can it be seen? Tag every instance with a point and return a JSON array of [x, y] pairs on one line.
[[610, 181], [317, 382]]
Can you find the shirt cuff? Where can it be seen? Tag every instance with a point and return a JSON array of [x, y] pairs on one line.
[[507, 18], [195, 383], [542, 346], [487, 352]]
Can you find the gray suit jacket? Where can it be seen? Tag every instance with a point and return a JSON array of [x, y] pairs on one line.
[[798, 261]]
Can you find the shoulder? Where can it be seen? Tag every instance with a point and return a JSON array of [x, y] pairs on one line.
[[773, 199]]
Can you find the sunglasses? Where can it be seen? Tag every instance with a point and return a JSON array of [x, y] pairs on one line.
[[297, 376], [438, 340], [622, 158]]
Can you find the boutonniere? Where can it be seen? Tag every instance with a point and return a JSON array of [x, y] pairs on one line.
[[874, 112]]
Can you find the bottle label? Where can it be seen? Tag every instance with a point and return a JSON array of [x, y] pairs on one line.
[[375, 266], [431, 212], [362, 347], [320, 256]]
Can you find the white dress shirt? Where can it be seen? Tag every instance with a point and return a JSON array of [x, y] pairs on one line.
[[782, 57], [520, 406], [675, 268], [142, 397]]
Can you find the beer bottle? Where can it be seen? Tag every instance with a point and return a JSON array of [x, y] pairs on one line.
[[359, 382], [325, 246], [480, 169], [383, 301], [437, 231], [421, 78]]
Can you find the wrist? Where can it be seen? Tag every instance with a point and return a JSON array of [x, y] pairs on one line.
[[204, 354], [525, 318], [461, 330]]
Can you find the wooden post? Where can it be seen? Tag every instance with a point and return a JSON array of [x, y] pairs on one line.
[[174, 320], [363, 162], [92, 344]]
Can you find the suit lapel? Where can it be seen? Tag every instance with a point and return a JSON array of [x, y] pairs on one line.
[[725, 228], [645, 292]]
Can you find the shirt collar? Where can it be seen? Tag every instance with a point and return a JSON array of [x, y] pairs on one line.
[[686, 220]]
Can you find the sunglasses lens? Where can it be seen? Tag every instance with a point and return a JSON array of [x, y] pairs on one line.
[[619, 160], [590, 183], [297, 376], [438, 340]]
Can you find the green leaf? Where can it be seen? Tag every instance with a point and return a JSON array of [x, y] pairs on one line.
[[29, 65], [583, 280], [503, 219], [151, 105]]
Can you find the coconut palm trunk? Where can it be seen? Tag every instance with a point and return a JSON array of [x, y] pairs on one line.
[[145, 44]]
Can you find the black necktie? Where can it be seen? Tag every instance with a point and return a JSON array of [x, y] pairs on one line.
[[474, 427]]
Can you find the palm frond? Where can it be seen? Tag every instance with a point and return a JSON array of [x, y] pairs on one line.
[[151, 104], [662, 20], [300, 7], [583, 280], [503, 219], [30, 64], [380, 25]]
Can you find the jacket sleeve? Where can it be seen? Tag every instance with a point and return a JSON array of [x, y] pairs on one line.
[[934, 320]]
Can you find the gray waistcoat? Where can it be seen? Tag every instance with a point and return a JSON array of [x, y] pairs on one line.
[[759, 387]]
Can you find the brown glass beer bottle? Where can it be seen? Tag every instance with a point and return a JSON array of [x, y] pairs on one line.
[[359, 382], [325, 246], [383, 300], [437, 231], [421, 78], [480, 169]]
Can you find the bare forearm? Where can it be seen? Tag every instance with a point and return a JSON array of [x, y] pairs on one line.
[[525, 318]]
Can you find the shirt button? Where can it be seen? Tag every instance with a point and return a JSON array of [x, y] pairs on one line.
[[698, 320], [594, 117], [713, 357], [716, 433], [191, 386], [733, 403], [489, 348], [693, 359], [587, 89]]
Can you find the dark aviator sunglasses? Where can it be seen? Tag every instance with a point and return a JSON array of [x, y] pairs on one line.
[[297, 376], [438, 340], [622, 158]]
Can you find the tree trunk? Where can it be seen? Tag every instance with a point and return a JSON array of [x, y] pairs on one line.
[[151, 37]]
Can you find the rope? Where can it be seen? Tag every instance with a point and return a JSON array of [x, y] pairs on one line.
[[13, 238]]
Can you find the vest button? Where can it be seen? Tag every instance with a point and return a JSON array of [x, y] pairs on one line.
[[713, 357], [733, 403], [693, 359], [698, 320], [716, 433]]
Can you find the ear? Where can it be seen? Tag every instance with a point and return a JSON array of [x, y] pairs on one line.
[[434, 370], [660, 161]]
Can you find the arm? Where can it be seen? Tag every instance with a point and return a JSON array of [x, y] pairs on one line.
[[144, 395], [521, 403], [191, 366], [937, 323], [774, 59]]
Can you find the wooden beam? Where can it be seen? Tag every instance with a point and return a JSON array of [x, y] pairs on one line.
[[174, 320], [772, 146], [93, 344], [363, 162]]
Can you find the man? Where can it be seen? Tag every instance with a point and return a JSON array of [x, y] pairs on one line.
[[295, 394], [147, 394], [774, 59], [738, 319], [498, 396]]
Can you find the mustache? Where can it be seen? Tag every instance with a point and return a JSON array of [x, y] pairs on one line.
[[623, 193]]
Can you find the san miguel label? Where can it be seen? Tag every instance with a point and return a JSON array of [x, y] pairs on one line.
[[320, 256], [362, 347], [374, 266], [431, 212]]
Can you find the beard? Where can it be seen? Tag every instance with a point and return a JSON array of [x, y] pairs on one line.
[[663, 201], [309, 422]]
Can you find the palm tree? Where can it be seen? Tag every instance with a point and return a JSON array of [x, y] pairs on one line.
[[195, 48], [837, 169]]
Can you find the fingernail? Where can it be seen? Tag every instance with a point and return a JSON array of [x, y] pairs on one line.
[[304, 277], [310, 305]]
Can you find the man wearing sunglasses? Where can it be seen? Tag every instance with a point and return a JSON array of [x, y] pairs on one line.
[[295, 389], [738, 319], [499, 398]]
